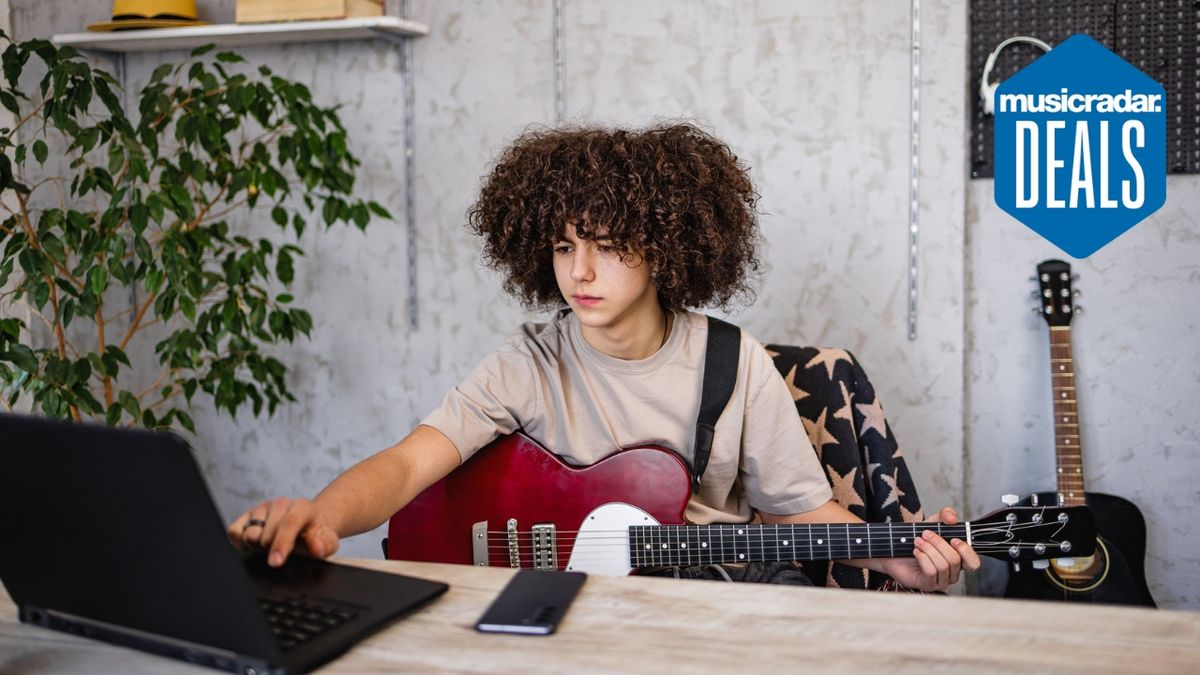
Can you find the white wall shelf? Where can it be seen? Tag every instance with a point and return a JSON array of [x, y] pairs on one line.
[[244, 35]]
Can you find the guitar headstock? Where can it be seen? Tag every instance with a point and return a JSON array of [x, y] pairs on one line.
[[1055, 296], [1025, 533]]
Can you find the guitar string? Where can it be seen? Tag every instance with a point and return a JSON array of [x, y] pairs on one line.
[[526, 557], [588, 542], [561, 541], [566, 547], [874, 532]]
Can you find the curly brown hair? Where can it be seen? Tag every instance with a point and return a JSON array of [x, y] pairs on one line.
[[673, 193]]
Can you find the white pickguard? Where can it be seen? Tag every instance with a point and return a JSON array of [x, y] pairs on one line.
[[602, 545]]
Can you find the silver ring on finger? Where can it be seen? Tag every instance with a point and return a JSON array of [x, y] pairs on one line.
[[254, 522]]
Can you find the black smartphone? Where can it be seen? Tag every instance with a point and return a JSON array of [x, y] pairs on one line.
[[532, 603]]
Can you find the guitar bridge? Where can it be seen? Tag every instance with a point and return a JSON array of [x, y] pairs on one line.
[[545, 554]]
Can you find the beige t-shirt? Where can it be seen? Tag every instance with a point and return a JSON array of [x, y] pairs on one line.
[[584, 405]]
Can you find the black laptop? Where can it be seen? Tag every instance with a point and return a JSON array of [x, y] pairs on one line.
[[112, 534]]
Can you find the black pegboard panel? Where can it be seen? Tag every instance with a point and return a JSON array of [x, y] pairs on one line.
[[1160, 37]]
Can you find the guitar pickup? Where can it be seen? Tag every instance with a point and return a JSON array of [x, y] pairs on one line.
[[545, 553]]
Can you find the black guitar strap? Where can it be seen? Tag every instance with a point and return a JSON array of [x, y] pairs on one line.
[[720, 374]]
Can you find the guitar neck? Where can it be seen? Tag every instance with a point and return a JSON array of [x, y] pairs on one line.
[[1068, 454], [685, 545]]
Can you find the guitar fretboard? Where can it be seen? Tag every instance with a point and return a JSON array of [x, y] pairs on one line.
[[1067, 452], [686, 545]]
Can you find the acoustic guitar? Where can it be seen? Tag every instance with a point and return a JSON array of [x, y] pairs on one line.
[[515, 504], [1115, 573]]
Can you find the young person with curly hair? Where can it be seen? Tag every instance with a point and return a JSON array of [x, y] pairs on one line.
[[619, 233]]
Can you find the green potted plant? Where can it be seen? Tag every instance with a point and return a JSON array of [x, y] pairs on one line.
[[138, 230]]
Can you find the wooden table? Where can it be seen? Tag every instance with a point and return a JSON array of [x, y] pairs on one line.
[[656, 625]]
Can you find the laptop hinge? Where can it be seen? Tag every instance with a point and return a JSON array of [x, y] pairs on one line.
[[205, 655]]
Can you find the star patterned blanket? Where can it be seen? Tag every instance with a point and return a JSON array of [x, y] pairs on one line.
[[856, 447]]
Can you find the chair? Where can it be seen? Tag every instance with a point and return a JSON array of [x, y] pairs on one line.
[[855, 445]]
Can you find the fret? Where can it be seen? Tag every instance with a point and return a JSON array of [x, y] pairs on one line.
[[693, 542], [741, 544], [909, 542], [828, 541], [673, 542], [757, 532], [891, 541], [836, 541], [853, 541], [728, 545], [635, 548]]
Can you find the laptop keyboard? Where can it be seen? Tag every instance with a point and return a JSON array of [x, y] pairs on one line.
[[298, 620]]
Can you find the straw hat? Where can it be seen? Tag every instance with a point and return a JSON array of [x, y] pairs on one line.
[[134, 14]]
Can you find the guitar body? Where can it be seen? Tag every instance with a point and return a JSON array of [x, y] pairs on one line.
[[1115, 574], [515, 478]]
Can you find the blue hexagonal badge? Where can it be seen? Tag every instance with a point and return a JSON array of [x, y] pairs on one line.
[[1081, 146]]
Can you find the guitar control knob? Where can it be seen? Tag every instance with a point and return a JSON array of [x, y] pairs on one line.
[[1041, 564], [1010, 499]]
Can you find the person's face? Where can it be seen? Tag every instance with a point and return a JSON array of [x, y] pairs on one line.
[[603, 287]]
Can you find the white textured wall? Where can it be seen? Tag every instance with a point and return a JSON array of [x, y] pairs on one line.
[[814, 95]]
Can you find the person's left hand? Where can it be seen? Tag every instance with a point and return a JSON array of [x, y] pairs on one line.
[[936, 563]]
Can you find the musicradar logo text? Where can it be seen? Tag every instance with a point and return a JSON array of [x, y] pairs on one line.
[[1065, 101], [1080, 146]]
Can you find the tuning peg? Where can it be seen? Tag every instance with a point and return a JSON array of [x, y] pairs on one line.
[[1010, 499], [1036, 310], [1016, 567], [1079, 309], [1032, 278], [1077, 293], [1074, 277], [1041, 564], [1033, 294], [1065, 562]]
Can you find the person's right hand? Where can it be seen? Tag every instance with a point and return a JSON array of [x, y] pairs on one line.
[[282, 525]]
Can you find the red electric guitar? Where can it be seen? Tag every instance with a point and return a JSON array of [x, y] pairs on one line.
[[514, 504]]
